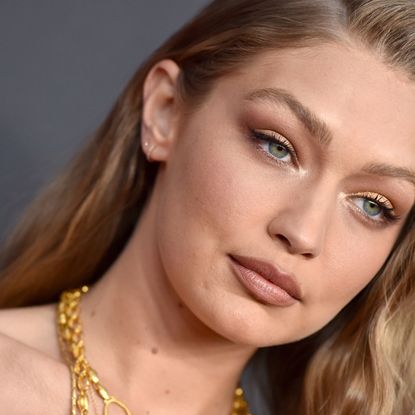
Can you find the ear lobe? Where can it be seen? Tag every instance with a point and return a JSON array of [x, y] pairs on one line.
[[160, 109]]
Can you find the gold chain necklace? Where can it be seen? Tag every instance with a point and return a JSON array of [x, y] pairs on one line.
[[83, 376]]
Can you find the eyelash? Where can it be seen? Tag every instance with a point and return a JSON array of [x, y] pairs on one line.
[[276, 139], [388, 214]]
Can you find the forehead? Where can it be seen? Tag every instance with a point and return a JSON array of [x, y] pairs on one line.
[[349, 88]]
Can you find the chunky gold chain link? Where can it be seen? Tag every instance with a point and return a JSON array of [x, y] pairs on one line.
[[83, 377]]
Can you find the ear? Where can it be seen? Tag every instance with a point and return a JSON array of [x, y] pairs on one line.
[[160, 110]]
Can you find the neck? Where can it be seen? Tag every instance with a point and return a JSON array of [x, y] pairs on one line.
[[148, 348]]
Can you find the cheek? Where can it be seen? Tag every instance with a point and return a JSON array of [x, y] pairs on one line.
[[360, 255], [350, 261], [206, 207], [210, 196], [342, 272]]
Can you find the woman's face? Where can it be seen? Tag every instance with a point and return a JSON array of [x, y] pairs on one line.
[[325, 202]]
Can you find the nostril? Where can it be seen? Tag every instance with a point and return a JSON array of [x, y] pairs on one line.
[[294, 246], [283, 239]]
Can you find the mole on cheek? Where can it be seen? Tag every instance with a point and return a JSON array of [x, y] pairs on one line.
[[154, 350]]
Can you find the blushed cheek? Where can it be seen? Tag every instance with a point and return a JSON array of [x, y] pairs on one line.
[[204, 209], [218, 192], [356, 261]]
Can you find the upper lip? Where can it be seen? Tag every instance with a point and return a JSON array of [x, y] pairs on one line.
[[272, 273]]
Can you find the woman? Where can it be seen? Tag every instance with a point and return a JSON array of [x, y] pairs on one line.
[[248, 203]]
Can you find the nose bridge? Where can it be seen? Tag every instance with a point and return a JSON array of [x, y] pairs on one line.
[[302, 224]]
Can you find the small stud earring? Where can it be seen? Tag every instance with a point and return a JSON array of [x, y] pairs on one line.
[[147, 151]]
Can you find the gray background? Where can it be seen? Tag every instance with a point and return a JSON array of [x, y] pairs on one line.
[[62, 65]]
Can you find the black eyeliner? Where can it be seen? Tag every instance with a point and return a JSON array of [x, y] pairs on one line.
[[274, 138]]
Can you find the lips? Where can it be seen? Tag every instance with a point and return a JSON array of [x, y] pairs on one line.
[[271, 273]]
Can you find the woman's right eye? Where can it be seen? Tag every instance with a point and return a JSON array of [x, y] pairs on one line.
[[277, 147]]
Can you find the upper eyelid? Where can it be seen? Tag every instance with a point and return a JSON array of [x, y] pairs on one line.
[[273, 134], [373, 196]]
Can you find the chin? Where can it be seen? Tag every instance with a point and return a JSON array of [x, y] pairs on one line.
[[245, 322]]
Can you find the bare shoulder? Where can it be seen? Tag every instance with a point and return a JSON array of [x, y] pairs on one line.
[[33, 327], [34, 380]]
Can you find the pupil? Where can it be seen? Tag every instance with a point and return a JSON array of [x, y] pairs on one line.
[[371, 207], [278, 150]]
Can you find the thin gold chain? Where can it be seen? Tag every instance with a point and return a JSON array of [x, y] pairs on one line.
[[85, 380]]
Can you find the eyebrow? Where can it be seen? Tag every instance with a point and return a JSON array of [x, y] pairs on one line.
[[316, 127], [321, 132], [381, 169]]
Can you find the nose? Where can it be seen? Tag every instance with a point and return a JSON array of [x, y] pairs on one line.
[[301, 223]]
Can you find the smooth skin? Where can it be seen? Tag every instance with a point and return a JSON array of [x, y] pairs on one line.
[[169, 328]]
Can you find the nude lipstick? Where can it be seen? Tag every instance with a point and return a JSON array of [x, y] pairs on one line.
[[265, 281]]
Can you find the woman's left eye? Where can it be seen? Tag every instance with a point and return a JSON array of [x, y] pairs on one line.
[[275, 146], [369, 207], [375, 207]]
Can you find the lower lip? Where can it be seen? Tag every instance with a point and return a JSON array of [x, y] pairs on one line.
[[261, 288]]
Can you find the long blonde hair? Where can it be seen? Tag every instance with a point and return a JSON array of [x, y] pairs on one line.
[[361, 362]]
